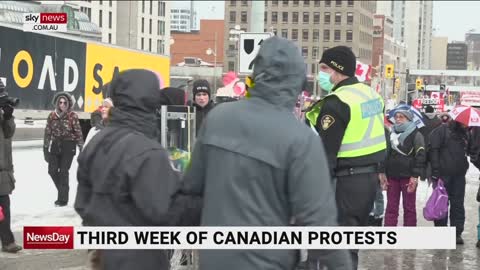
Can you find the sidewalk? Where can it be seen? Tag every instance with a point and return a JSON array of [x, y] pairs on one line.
[[43, 259]]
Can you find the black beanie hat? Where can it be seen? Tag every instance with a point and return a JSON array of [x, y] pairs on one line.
[[341, 59], [201, 86]]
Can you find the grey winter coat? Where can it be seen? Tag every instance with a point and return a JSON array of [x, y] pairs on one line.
[[7, 180], [256, 165]]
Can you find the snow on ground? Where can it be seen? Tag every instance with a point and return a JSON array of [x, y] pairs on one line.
[[32, 202]]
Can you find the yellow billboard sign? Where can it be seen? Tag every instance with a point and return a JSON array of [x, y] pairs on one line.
[[104, 62]]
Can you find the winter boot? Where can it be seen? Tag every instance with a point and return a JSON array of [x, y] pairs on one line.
[[11, 248]]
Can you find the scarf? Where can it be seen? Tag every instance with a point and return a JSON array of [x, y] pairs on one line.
[[399, 133]]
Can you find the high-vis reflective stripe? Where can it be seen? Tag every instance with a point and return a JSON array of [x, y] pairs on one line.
[[365, 131]]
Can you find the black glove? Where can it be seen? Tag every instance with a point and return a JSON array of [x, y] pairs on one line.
[[7, 112], [46, 154]]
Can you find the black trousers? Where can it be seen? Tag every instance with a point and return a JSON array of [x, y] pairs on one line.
[[455, 186], [6, 234], [58, 168], [355, 195]]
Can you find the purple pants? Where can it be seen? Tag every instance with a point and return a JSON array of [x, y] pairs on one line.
[[397, 186]]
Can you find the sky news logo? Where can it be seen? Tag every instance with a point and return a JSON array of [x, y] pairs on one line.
[[48, 237], [45, 22]]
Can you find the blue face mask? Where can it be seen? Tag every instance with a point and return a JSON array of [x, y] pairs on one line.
[[324, 81]]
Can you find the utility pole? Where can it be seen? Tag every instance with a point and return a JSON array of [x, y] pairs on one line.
[[257, 18]]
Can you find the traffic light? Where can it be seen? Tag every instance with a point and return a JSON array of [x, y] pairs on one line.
[[389, 71], [418, 84]]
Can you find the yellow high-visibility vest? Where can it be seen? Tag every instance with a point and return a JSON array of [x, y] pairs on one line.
[[365, 133]]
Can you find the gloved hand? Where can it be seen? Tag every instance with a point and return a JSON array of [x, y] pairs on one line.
[[46, 154], [7, 112]]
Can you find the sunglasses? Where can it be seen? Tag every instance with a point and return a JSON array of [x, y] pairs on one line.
[[62, 102]]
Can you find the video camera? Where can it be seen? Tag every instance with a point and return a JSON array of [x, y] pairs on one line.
[[6, 100]]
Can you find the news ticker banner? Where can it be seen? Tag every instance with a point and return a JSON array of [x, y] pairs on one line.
[[239, 238], [45, 22]]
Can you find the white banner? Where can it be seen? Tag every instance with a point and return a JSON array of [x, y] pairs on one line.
[[264, 238]]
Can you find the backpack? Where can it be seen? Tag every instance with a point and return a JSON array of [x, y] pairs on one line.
[[436, 207]]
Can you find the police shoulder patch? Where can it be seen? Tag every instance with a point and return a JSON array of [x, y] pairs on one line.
[[327, 121]]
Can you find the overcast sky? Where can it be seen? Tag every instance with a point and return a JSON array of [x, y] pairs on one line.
[[450, 18]]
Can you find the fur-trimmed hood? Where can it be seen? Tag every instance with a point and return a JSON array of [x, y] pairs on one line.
[[66, 95]]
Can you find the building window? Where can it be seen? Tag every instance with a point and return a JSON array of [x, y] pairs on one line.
[[160, 47], [326, 18], [100, 18], [326, 35], [162, 4], [150, 27], [109, 38], [274, 17], [285, 17], [233, 3], [337, 36], [338, 3], [151, 8], [316, 35], [143, 6], [315, 52], [274, 3], [306, 3], [244, 3], [328, 3], [232, 16], [143, 25], [243, 17], [295, 3], [110, 19], [295, 17], [350, 18], [314, 65], [305, 51], [350, 3], [317, 3], [306, 17], [294, 34], [231, 65], [305, 34], [284, 33], [158, 28], [141, 40], [316, 17], [149, 44], [349, 35], [285, 3], [265, 16], [338, 18]]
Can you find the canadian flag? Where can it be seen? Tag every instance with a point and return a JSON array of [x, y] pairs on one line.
[[363, 71]]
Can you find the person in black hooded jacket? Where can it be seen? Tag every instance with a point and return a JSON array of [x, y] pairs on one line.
[[125, 177], [202, 101], [448, 158]]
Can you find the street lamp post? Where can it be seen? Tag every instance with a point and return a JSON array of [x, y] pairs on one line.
[[214, 52]]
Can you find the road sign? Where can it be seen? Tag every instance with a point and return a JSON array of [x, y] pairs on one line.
[[249, 46]]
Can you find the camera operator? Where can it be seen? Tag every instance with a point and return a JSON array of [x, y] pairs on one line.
[[7, 180]]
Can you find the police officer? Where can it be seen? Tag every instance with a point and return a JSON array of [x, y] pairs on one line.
[[349, 121]]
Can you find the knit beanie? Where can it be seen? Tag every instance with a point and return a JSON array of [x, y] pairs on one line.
[[340, 59], [201, 86]]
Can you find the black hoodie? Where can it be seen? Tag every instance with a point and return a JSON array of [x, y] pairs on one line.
[[125, 177]]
